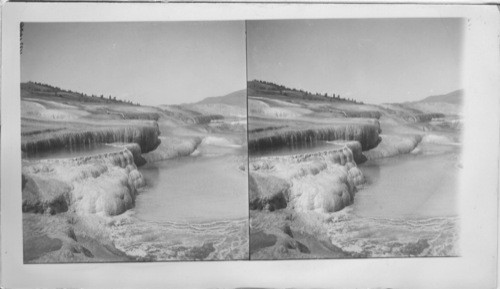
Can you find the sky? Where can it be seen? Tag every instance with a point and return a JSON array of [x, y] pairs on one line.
[[147, 62], [371, 60]]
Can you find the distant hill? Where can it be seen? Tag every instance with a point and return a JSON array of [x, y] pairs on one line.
[[53, 93], [269, 89], [449, 104], [237, 98], [454, 97]]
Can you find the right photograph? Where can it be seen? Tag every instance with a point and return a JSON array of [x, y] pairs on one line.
[[354, 137]]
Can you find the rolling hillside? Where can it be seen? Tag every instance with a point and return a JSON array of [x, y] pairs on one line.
[[450, 103], [237, 98], [259, 88], [454, 97]]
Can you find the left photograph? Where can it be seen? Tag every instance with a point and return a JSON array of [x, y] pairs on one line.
[[133, 140]]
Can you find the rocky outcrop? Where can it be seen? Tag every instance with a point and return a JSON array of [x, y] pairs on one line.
[[323, 181], [136, 151], [36, 247], [101, 184], [393, 145], [267, 192], [288, 234], [172, 147], [366, 134], [144, 134], [41, 195]]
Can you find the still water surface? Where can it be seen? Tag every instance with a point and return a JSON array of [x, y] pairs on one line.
[[408, 206], [192, 208], [421, 184], [193, 189]]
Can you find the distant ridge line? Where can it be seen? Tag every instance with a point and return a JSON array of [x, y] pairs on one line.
[[454, 97], [236, 98]]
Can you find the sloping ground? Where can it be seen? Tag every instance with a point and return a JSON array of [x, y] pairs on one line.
[[449, 104], [53, 118], [279, 106], [48, 102], [437, 107], [272, 100], [188, 114], [277, 119], [179, 113], [50, 110], [222, 109], [455, 97], [237, 98], [230, 105], [268, 89], [345, 109], [56, 111], [410, 114], [277, 109], [53, 93]]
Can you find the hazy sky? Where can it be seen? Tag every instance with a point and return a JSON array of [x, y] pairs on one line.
[[152, 63], [373, 60]]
